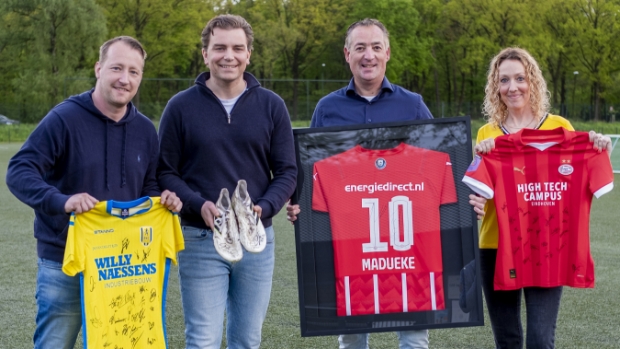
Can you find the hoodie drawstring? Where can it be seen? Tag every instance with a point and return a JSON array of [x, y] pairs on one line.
[[123, 151], [107, 183]]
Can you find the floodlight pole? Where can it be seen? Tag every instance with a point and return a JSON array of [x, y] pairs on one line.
[[575, 73], [323, 79]]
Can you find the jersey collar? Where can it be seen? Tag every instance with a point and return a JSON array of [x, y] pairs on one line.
[[541, 138], [126, 209]]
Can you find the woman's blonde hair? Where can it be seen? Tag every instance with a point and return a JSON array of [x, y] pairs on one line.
[[494, 108]]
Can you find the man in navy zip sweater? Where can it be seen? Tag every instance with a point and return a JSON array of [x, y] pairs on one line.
[[223, 129], [93, 146]]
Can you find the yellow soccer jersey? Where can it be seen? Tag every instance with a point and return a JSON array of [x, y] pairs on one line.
[[122, 251]]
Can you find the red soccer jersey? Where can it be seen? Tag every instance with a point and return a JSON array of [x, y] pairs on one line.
[[384, 214], [542, 183]]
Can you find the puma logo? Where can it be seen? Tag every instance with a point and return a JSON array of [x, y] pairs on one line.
[[522, 170]]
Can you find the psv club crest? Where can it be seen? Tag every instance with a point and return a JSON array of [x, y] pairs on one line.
[[146, 235], [565, 169], [380, 163]]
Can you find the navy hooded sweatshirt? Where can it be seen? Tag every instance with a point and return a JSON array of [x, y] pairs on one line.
[[77, 149], [204, 149]]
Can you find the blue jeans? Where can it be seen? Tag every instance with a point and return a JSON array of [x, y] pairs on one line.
[[406, 340], [211, 285], [59, 310], [541, 304]]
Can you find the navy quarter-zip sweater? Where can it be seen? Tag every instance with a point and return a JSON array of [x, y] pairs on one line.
[[203, 149], [77, 149]]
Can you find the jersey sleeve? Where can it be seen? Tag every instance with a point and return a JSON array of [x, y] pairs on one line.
[[448, 190], [172, 235], [567, 125], [486, 131], [318, 198], [73, 261], [478, 178], [600, 174], [176, 242]]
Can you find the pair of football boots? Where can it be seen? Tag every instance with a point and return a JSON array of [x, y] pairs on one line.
[[238, 225]]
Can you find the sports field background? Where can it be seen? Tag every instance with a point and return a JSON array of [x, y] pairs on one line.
[[588, 318]]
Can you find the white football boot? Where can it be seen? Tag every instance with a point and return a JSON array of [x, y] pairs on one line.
[[251, 230], [226, 234]]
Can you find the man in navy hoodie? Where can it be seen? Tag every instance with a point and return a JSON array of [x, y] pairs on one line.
[[223, 129], [91, 147]]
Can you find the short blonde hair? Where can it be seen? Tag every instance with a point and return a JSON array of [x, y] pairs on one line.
[[494, 108], [131, 42]]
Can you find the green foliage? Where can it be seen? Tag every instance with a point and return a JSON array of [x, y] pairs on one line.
[[439, 48], [411, 56], [44, 43], [595, 29], [292, 37], [169, 30]]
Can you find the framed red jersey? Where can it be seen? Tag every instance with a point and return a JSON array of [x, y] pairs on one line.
[[384, 216], [385, 230], [542, 182]]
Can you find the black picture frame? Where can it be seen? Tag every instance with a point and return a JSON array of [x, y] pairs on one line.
[[459, 230]]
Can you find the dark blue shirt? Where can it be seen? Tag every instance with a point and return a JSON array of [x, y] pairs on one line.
[[203, 149], [346, 107]]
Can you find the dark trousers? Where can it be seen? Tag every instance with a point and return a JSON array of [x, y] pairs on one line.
[[541, 304]]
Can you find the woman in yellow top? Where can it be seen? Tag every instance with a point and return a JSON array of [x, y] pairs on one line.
[[516, 97]]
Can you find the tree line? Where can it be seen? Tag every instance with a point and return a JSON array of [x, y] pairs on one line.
[[440, 48]]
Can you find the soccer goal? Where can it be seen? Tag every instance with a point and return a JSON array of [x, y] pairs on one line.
[[615, 155]]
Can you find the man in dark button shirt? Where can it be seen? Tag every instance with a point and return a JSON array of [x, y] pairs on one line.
[[369, 97]]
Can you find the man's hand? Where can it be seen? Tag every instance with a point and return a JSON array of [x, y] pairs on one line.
[[208, 212], [292, 211], [600, 142], [258, 210], [80, 203], [171, 201], [478, 203]]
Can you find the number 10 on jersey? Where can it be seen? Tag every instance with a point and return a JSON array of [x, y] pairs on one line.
[[397, 205]]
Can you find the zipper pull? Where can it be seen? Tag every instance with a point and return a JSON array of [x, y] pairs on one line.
[[228, 118]]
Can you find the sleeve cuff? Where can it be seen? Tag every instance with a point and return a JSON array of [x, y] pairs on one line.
[[604, 190], [480, 188], [57, 203], [195, 204], [267, 210]]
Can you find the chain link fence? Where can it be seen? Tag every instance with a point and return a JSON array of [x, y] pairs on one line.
[[300, 96]]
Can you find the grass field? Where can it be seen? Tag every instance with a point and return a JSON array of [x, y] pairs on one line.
[[588, 318]]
